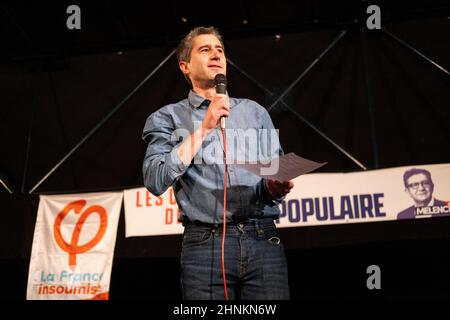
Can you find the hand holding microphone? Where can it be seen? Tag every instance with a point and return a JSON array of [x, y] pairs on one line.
[[219, 108], [220, 82]]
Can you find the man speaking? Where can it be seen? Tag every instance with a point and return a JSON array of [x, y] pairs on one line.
[[231, 248]]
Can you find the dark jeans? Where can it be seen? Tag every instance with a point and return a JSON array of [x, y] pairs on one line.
[[255, 262]]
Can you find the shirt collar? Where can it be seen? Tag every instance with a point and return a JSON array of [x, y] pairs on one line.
[[430, 204], [198, 101]]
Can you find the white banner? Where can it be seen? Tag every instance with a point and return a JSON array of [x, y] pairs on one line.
[[146, 214], [376, 195], [73, 246], [321, 199]]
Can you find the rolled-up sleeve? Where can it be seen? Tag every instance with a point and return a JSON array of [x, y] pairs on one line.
[[273, 150], [162, 166]]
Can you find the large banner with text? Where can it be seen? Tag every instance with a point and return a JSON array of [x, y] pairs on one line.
[[321, 199], [146, 214], [73, 246], [376, 195]]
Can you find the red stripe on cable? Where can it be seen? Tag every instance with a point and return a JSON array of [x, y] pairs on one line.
[[224, 212]]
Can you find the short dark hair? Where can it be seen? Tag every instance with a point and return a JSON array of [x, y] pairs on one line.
[[414, 171], [185, 46]]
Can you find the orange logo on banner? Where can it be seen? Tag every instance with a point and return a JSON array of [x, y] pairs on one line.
[[73, 248]]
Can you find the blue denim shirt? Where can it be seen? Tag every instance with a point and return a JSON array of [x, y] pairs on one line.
[[198, 187]]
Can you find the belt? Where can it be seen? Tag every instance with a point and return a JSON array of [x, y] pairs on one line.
[[234, 222]]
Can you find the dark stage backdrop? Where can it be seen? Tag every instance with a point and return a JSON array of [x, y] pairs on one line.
[[50, 104]]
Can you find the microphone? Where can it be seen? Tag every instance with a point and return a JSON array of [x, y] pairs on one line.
[[220, 82]]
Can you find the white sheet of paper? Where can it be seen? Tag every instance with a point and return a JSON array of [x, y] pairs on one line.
[[289, 166]]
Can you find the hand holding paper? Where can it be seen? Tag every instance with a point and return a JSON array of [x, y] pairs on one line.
[[278, 189]]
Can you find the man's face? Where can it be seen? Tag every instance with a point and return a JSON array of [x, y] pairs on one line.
[[207, 59], [419, 188]]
